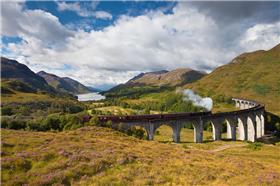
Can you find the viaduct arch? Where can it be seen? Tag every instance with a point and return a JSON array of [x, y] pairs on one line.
[[247, 123]]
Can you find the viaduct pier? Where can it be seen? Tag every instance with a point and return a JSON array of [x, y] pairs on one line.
[[247, 124]]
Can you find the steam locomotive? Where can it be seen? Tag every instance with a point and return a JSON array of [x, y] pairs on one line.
[[151, 117]]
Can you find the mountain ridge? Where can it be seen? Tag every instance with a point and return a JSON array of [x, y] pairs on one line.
[[155, 82], [17, 75], [167, 78], [64, 84]]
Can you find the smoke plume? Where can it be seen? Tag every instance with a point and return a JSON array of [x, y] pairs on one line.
[[206, 102]]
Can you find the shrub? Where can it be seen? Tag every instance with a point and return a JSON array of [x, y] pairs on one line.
[[51, 122], [109, 124], [188, 125], [147, 111], [6, 111], [74, 109], [94, 121], [255, 146], [4, 123], [24, 110], [34, 125], [16, 125], [76, 126], [139, 133], [208, 126]]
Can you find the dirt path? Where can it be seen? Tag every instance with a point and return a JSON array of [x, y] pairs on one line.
[[221, 148], [226, 147]]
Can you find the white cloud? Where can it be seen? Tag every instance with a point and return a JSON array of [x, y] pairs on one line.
[[82, 11], [33, 25], [261, 36], [155, 41], [62, 6], [102, 15]]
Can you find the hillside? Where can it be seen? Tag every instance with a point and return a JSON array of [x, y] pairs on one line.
[[18, 77], [155, 82], [64, 84], [176, 77], [252, 75], [26, 95], [102, 156]]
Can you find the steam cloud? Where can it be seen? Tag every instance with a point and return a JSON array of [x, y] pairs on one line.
[[197, 100]]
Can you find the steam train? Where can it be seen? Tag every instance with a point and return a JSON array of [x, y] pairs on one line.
[[151, 117]]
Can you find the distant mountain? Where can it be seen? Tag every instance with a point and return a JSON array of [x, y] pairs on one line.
[[18, 77], [176, 77], [253, 75], [155, 82], [64, 84], [92, 89]]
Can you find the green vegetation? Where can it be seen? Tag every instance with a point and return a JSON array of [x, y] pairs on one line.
[[16, 85], [40, 111], [101, 156], [46, 139], [154, 82], [135, 92], [57, 122], [261, 89], [255, 145], [166, 101], [250, 75]]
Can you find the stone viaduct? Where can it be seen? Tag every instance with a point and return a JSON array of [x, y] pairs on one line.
[[247, 123]]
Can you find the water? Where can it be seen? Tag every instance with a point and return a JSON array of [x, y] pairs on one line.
[[90, 97]]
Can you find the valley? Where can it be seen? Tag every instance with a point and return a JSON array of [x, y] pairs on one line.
[[140, 93], [50, 137]]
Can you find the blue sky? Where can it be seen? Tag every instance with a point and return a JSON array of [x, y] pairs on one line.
[[115, 8], [106, 43]]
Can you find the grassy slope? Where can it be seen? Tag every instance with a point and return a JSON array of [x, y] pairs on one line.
[[22, 97], [99, 156], [252, 75]]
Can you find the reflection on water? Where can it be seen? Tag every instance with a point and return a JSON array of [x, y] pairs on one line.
[[90, 97]]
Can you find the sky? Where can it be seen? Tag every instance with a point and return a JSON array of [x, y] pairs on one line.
[[102, 44]]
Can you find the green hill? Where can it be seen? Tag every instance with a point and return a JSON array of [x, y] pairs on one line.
[[253, 75], [18, 77], [26, 95]]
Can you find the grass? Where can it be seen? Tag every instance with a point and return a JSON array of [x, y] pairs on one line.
[[101, 156], [21, 97], [251, 76]]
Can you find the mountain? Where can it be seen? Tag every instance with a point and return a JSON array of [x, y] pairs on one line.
[[155, 82], [176, 77], [18, 77], [64, 84], [92, 89], [253, 75]]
